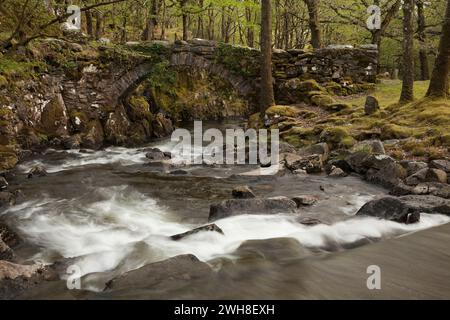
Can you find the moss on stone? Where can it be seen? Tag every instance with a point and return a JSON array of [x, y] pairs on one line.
[[286, 111], [337, 137], [393, 131], [322, 100]]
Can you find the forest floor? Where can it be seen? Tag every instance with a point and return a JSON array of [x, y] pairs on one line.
[[419, 130]]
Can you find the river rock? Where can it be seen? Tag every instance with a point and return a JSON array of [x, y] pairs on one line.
[[3, 184], [15, 279], [7, 199], [427, 175], [308, 221], [176, 270], [242, 192], [388, 176], [5, 251], [427, 203], [443, 165], [305, 200], [413, 167], [316, 149], [234, 207], [390, 208], [337, 173], [210, 227], [37, 171], [371, 106], [272, 249], [427, 188], [156, 154], [374, 146]]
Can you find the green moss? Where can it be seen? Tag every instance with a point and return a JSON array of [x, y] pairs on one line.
[[309, 85], [337, 107], [337, 137], [393, 131], [239, 60], [322, 100], [301, 137], [286, 111]]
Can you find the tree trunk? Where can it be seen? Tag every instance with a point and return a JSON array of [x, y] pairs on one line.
[[185, 20], [439, 83], [250, 31], [421, 28], [98, 25], [316, 38], [89, 24], [408, 55], [266, 95]]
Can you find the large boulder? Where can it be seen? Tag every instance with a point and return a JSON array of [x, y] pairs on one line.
[[390, 208], [373, 146], [54, 118], [234, 207], [387, 176], [178, 269], [310, 163], [93, 138]]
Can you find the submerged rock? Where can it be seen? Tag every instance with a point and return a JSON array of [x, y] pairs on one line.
[[234, 207], [210, 227], [242, 192], [173, 271], [390, 208], [37, 171], [7, 199], [3, 184], [272, 249], [305, 200]]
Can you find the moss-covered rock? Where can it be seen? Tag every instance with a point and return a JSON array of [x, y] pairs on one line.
[[54, 118], [337, 137], [301, 137], [337, 107], [322, 100], [8, 158], [393, 131], [3, 82], [284, 111]]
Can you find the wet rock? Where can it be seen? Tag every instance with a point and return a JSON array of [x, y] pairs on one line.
[[390, 208], [54, 118], [72, 142], [5, 251], [388, 176], [7, 199], [307, 221], [413, 166], [162, 126], [443, 165], [15, 279], [242, 192], [9, 237], [337, 173], [427, 203], [37, 171], [3, 183], [94, 136], [427, 188], [210, 228], [371, 106], [234, 207], [156, 154], [427, 175], [272, 249], [305, 200], [176, 270], [356, 162], [321, 149], [179, 172]]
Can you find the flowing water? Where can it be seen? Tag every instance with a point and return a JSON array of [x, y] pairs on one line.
[[109, 213]]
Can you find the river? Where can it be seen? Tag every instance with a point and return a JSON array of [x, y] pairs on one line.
[[109, 213]]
